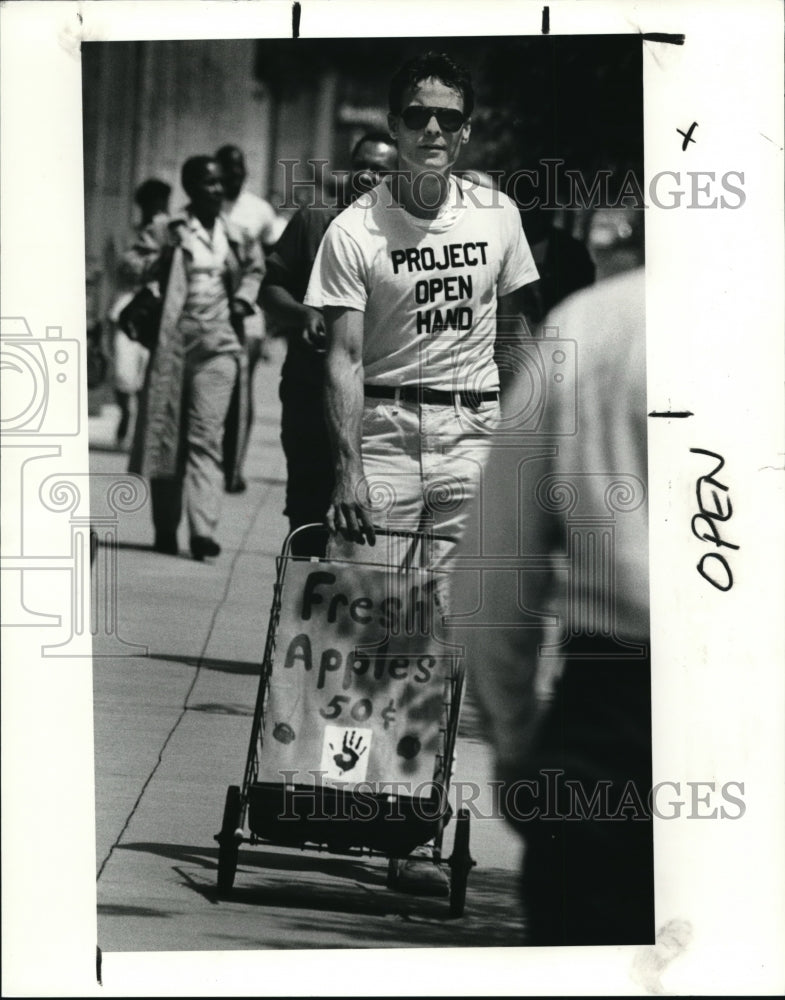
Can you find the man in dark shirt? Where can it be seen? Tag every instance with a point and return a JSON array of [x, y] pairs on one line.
[[563, 261], [310, 475]]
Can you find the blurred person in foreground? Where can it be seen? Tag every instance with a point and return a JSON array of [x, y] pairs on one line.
[[189, 435], [309, 466], [409, 278], [258, 218], [575, 770], [131, 357]]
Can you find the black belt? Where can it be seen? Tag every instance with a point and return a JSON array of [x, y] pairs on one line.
[[424, 394]]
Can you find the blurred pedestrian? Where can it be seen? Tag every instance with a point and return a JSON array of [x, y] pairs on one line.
[[575, 771], [309, 465], [209, 272], [131, 357], [240, 206], [258, 218]]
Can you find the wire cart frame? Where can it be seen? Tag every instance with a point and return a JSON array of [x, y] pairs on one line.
[[321, 817]]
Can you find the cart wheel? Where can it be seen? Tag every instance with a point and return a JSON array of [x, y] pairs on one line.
[[394, 866], [228, 842], [461, 863]]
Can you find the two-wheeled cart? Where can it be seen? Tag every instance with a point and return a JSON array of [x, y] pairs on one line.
[[356, 718]]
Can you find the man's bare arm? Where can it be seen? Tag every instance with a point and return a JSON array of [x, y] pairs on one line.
[[349, 511], [284, 307]]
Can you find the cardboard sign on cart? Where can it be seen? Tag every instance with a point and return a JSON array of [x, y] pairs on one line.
[[357, 686]]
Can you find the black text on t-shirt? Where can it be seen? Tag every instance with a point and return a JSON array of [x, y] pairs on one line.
[[449, 288]]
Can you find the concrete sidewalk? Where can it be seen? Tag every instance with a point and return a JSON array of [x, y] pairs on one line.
[[187, 614]]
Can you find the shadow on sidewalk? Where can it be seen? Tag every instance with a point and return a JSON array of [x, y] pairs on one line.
[[131, 546], [263, 857], [296, 882], [244, 668]]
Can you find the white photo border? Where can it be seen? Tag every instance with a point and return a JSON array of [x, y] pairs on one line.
[[714, 327]]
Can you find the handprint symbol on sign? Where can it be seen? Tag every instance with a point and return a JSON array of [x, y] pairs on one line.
[[351, 751]]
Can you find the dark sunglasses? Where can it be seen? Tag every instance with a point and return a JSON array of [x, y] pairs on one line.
[[416, 117]]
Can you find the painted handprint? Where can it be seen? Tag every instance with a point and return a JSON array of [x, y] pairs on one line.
[[351, 751]]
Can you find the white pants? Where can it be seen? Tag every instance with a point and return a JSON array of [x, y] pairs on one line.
[[423, 469]]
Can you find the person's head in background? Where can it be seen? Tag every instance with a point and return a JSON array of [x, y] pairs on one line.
[[202, 182], [152, 197], [615, 240], [374, 155], [231, 160]]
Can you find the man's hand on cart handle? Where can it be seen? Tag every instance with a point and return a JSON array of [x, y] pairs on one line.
[[350, 516], [313, 332]]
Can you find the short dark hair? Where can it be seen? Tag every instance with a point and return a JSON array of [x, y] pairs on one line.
[[422, 67], [152, 191], [375, 136], [227, 151], [193, 169]]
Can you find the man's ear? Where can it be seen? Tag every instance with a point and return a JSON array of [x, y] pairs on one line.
[[467, 131], [392, 124]]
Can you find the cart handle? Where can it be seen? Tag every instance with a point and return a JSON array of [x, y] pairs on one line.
[[401, 532]]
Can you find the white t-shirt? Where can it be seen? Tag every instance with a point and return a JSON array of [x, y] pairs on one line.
[[254, 214], [428, 287], [257, 217]]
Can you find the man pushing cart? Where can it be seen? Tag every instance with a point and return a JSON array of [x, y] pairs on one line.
[[408, 278], [366, 694]]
